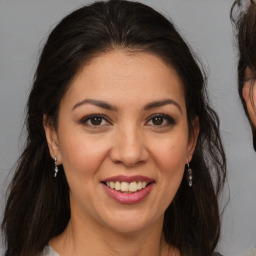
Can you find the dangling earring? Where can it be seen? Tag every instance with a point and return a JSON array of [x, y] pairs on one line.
[[189, 175], [56, 169]]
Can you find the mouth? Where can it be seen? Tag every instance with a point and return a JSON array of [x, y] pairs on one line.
[[128, 184], [127, 187]]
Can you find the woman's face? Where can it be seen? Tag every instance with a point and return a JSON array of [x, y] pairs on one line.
[[249, 95], [123, 140]]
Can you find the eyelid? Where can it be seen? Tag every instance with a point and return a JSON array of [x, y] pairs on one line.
[[170, 120], [85, 119]]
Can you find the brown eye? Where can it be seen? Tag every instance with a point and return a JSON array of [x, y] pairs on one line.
[[161, 120], [157, 120], [96, 120]]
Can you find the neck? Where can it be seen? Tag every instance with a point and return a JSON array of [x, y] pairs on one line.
[[80, 238]]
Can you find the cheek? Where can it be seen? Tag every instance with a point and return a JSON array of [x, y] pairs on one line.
[[82, 159], [82, 155], [171, 157], [171, 152], [172, 162]]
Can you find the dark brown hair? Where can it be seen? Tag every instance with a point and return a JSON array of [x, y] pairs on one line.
[[37, 208], [244, 20]]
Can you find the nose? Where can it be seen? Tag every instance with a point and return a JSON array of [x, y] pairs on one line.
[[129, 147]]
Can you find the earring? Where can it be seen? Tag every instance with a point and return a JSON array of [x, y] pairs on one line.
[[56, 169], [189, 175]]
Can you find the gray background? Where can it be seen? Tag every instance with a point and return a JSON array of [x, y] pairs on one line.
[[205, 24]]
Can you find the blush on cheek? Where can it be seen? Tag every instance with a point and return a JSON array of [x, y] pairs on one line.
[[82, 160], [172, 154]]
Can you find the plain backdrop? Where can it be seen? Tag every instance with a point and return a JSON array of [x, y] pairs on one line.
[[205, 24]]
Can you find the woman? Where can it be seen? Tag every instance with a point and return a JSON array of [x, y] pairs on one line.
[[245, 22], [244, 18], [123, 155]]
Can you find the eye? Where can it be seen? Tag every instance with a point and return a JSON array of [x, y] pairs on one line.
[[95, 120], [157, 120], [161, 120]]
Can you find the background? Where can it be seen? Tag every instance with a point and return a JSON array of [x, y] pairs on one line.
[[205, 24]]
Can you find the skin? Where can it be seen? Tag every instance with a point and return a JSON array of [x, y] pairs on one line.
[[249, 95], [127, 142]]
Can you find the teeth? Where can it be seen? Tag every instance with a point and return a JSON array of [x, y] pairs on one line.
[[112, 184], [124, 186], [117, 185], [127, 187], [133, 187], [139, 185]]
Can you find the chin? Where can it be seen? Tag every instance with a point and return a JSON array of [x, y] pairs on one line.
[[130, 222]]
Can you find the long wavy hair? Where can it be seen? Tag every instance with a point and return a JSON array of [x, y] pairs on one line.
[[244, 20], [37, 207]]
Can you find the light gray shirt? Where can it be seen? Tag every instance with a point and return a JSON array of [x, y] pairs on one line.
[[49, 251]]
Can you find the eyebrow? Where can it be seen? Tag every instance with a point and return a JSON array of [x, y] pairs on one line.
[[161, 103], [105, 105], [98, 103]]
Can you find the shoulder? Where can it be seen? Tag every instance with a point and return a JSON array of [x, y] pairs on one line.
[[252, 252], [48, 251]]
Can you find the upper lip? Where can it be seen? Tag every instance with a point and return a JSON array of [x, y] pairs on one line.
[[129, 179]]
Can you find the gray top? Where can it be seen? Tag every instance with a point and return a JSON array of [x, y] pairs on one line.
[[252, 252], [49, 251]]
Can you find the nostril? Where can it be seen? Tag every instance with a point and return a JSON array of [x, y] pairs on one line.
[[128, 152], [117, 162]]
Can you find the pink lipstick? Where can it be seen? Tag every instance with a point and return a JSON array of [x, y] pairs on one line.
[[128, 189]]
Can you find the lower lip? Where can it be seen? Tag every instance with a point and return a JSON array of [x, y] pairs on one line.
[[128, 198]]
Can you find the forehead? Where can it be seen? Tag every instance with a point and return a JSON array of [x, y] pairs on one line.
[[119, 75]]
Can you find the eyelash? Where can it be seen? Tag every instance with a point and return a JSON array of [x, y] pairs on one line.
[[169, 120], [86, 119]]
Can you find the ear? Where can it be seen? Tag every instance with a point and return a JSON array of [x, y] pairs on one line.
[[193, 139], [52, 139], [249, 95]]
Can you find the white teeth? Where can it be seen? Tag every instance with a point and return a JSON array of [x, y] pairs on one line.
[[124, 186], [139, 185], [112, 184], [117, 185], [133, 187], [127, 187]]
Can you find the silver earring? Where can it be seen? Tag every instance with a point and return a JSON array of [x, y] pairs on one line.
[[56, 169], [189, 175]]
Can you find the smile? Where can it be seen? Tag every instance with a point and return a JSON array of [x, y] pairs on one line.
[[128, 189], [127, 186]]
